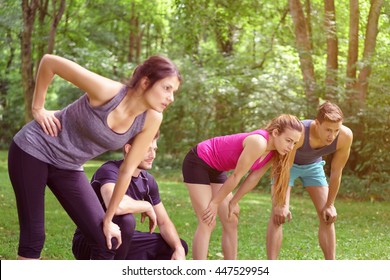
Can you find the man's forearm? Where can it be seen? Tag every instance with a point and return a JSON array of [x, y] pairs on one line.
[[170, 235], [334, 185], [132, 206]]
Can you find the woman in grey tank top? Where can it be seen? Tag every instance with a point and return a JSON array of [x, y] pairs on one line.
[[51, 149]]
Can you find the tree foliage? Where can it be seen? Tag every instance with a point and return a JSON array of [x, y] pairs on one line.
[[243, 63]]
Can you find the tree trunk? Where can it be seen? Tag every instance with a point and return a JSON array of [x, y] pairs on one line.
[[304, 51], [369, 48], [28, 12], [259, 65], [353, 46], [40, 45], [332, 46], [353, 53], [139, 45], [57, 15], [308, 21], [12, 50], [132, 35], [148, 41], [224, 37], [43, 46], [357, 100]]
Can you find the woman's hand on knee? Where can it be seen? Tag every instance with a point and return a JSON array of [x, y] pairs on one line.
[[112, 230], [210, 213], [281, 214]]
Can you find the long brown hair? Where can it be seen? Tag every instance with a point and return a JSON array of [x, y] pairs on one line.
[[280, 168], [155, 68]]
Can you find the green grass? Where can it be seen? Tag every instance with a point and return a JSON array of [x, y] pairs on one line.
[[363, 227]]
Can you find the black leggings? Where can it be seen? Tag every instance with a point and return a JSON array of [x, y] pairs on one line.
[[29, 177], [135, 245]]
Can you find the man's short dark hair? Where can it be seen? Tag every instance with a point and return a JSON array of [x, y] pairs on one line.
[[329, 112]]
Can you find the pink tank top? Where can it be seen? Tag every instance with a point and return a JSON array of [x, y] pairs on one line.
[[222, 152]]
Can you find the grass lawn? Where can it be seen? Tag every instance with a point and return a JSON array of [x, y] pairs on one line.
[[363, 228]]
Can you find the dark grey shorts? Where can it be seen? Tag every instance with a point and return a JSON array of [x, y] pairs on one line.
[[197, 171]]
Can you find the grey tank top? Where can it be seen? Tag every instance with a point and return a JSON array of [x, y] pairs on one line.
[[306, 154], [85, 134]]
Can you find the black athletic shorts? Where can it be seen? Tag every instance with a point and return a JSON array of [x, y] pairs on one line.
[[197, 171]]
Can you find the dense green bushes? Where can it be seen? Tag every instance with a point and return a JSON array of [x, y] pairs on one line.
[[223, 92]]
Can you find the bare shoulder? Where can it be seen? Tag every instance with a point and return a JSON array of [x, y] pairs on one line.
[[153, 120], [254, 145], [152, 116], [346, 133], [345, 137], [255, 140]]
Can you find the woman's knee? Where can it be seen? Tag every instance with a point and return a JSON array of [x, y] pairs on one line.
[[206, 227], [230, 223]]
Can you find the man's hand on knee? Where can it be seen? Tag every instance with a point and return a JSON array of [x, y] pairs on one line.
[[329, 214]]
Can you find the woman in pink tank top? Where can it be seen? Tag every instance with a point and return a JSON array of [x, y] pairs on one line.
[[205, 175]]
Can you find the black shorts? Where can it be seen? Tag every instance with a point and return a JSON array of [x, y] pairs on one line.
[[197, 171]]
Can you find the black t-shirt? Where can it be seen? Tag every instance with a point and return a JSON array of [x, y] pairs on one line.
[[143, 187]]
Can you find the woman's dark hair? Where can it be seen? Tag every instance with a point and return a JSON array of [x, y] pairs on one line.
[[155, 68]]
